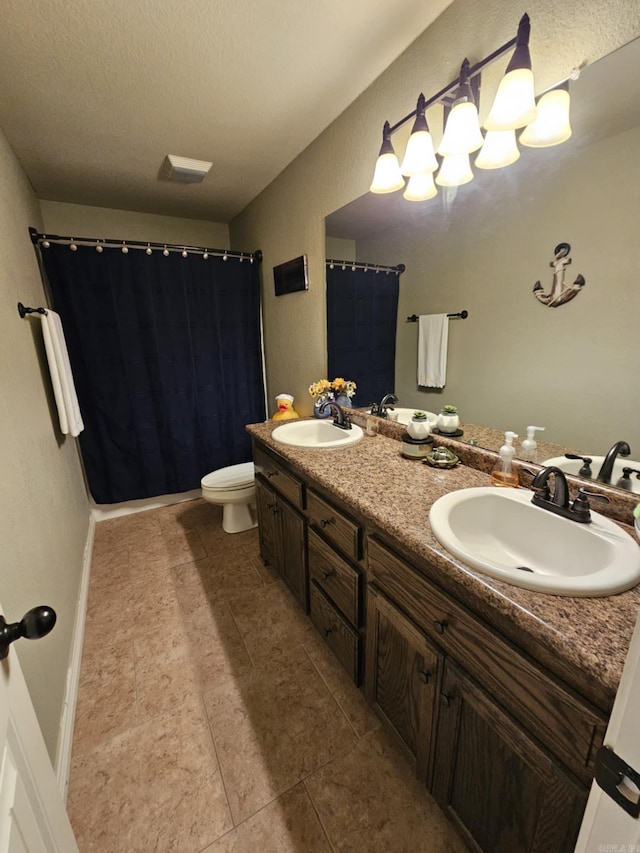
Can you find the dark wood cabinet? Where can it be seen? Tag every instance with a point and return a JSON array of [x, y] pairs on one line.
[[506, 747], [501, 789], [282, 536], [403, 675]]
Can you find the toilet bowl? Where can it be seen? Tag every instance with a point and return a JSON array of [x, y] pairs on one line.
[[234, 489]]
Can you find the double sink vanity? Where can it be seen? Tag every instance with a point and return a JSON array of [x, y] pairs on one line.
[[499, 694]]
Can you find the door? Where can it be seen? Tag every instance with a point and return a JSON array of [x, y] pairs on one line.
[[32, 815], [606, 825]]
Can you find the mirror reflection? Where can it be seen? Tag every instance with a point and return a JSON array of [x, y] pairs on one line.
[[515, 361]]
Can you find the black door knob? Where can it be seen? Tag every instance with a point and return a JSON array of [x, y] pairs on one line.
[[33, 625]]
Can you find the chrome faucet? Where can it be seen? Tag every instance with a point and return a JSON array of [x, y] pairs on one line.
[[380, 409], [558, 502], [620, 447], [341, 418]]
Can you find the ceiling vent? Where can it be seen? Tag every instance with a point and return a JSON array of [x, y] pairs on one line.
[[183, 170]]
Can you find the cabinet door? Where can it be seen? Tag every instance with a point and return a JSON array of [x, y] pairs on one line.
[[403, 673], [293, 560], [268, 526], [505, 794]]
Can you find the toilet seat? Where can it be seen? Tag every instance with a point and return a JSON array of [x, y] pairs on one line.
[[232, 477]]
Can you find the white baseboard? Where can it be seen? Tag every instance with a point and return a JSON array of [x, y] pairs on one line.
[[65, 735]]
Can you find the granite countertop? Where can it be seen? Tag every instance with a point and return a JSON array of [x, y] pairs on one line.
[[584, 637]]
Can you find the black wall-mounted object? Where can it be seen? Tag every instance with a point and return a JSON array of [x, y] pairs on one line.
[[291, 276]]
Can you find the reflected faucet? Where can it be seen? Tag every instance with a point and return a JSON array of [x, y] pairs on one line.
[[380, 409], [620, 447], [341, 418]]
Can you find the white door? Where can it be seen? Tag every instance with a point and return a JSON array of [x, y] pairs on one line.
[[607, 827], [32, 815]]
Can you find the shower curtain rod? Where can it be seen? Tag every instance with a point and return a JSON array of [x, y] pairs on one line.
[[358, 265], [99, 243]]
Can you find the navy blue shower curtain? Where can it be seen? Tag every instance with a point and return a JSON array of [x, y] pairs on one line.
[[166, 354], [362, 308]]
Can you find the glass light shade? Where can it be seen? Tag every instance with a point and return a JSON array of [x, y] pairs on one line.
[[420, 188], [500, 149], [515, 103], [462, 133], [552, 126], [455, 171], [419, 157], [386, 177]]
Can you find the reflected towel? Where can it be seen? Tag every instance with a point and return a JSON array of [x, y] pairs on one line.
[[433, 336], [64, 389]]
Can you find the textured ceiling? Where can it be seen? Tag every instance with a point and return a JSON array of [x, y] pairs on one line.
[[94, 94]]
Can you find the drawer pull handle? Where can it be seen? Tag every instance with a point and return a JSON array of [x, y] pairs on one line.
[[446, 700], [327, 575], [440, 625], [326, 631], [325, 522], [271, 474], [424, 675]]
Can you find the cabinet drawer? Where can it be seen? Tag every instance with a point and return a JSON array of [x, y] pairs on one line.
[[343, 641], [278, 477], [335, 525], [335, 576], [570, 727]]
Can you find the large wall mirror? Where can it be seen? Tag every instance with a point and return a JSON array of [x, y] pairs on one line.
[[481, 247]]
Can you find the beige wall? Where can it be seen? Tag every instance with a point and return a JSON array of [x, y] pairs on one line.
[[287, 218], [78, 220], [515, 362], [45, 515]]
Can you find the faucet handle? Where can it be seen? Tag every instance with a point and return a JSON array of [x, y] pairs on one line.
[[581, 507], [585, 471]]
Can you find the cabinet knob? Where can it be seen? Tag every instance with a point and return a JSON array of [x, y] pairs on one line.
[[325, 522], [270, 474], [440, 625], [326, 631], [327, 575], [446, 700], [424, 675]]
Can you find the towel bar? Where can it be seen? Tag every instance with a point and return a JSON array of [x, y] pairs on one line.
[[23, 310], [462, 314]]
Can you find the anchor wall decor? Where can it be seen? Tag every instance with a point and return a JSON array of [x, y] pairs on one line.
[[560, 292]]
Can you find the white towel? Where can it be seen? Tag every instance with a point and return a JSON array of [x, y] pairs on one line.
[[64, 389], [433, 336]]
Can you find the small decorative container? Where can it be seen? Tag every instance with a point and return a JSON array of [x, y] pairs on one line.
[[448, 420], [442, 457], [419, 427], [317, 405]]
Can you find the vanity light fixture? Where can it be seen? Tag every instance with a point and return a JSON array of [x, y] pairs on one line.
[[419, 157], [552, 125], [515, 104], [462, 133], [386, 177], [514, 108]]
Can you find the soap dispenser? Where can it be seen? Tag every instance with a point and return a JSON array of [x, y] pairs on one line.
[[503, 473], [529, 448]]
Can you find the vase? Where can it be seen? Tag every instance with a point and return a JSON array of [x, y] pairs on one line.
[[316, 408], [448, 423], [344, 401], [419, 428]]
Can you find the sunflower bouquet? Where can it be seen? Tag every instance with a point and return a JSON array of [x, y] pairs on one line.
[[339, 387]]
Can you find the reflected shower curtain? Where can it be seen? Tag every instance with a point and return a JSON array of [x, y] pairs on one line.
[[362, 308], [167, 359]]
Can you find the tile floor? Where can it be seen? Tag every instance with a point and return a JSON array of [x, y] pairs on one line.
[[211, 718]]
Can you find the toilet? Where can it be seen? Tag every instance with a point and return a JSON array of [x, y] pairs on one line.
[[234, 489]]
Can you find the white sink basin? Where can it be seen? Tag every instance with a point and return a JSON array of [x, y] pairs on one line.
[[572, 466], [316, 435], [501, 533], [404, 415]]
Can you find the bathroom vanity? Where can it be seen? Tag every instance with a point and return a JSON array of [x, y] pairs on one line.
[[499, 696]]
